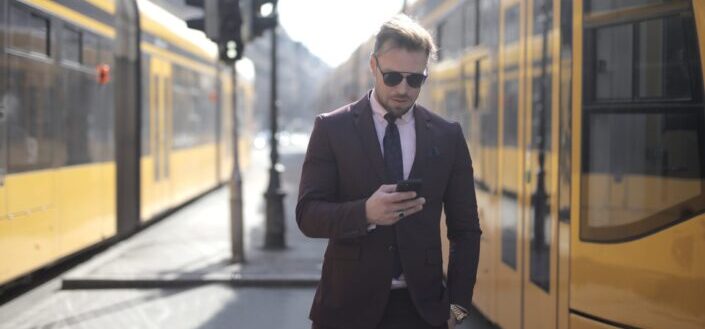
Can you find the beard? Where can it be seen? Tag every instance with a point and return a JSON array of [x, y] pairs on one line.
[[398, 105]]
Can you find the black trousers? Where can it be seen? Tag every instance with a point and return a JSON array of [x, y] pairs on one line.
[[400, 313]]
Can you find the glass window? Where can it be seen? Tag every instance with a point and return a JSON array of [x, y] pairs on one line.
[[146, 122], [543, 15], [509, 222], [541, 112], [594, 6], [511, 112], [19, 28], [643, 60], [565, 110], [643, 159], [511, 25], [488, 29], [39, 27], [471, 23], [613, 63], [451, 34], [29, 31], [476, 86], [90, 50], [662, 67], [71, 45], [30, 101], [540, 239], [641, 172]]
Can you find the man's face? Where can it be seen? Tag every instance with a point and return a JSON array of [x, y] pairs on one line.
[[399, 98]]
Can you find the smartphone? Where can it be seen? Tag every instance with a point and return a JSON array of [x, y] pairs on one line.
[[409, 185]]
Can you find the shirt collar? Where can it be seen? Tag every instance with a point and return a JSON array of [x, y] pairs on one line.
[[379, 111]]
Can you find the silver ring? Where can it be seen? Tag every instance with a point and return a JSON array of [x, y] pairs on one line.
[[401, 214]]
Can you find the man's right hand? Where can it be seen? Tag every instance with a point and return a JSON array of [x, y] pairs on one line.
[[386, 206]]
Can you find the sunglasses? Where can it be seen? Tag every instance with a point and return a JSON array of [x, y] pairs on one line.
[[393, 78]]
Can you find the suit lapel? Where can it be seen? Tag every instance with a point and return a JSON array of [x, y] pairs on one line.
[[423, 142], [362, 112]]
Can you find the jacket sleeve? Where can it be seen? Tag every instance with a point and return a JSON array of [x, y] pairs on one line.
[[319, 214], [463, 225]]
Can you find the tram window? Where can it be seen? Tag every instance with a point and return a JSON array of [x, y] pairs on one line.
[[509, 222], [644, 60], [40, 34], [538, 109], [643, 158], [71, 45], [542, 9], [146, 122], [488, 28], [19, 32], [662, 64], [29, 31], [613, 62], [450, 35], [595, 6], [29, 104], [511, 25], [511, 111], [476, 86], [106, 53], [566, 135], [471, 23], [90, 50]]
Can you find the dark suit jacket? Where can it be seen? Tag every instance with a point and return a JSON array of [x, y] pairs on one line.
[[343, 167]]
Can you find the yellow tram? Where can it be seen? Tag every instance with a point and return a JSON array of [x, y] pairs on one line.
[[114, 112]]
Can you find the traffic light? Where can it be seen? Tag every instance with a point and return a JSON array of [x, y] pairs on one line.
[[260, 15], [222, 22], [230, 45], [209, 22]]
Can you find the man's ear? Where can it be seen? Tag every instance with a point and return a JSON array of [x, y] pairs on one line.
[[372, 65]]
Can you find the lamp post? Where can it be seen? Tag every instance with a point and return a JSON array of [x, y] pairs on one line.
[[237, 235], [274, 229]]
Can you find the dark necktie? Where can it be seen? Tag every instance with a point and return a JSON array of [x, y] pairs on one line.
[[394, 168], [392, 151]]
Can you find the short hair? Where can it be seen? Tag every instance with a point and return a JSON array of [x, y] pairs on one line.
[[405, 33]]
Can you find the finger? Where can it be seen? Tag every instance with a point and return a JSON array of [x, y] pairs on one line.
[[401, 196], [412, 211], [388, 188], [410, 204]]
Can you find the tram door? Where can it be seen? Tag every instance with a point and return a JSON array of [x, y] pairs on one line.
[[159, 135], [509, 270], [538, 199]]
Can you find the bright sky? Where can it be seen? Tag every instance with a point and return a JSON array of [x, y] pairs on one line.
[[333, 29]]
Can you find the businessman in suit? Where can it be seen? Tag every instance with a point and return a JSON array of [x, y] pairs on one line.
[[383, 265]]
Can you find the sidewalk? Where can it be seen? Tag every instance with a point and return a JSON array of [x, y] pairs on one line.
[[192, 246]]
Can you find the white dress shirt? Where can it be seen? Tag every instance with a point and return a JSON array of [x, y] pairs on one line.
[[407, 135]]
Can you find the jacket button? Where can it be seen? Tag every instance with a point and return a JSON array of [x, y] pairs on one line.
[[391, 248]]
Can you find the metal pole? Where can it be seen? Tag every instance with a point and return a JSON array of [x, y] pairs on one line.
[[274, 235], [236, 218]]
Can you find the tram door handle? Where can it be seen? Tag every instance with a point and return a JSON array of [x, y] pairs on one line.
[[527, 177]]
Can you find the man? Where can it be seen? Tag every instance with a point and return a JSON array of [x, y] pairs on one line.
[[383, 266]]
